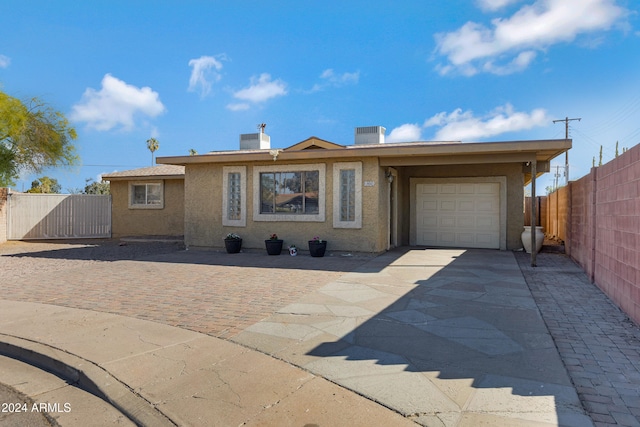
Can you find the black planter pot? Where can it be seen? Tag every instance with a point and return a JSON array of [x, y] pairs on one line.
[[233, 246], [316, 248], [274, 247]]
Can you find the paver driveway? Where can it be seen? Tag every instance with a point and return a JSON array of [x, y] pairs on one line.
[[205, 291]]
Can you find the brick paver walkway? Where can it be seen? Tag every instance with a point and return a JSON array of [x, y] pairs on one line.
[[598, 343], [205, 291]]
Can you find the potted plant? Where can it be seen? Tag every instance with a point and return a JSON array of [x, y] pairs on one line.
[[233, 243], [317, 247], [273, 245]]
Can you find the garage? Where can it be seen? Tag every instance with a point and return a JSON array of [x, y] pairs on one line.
[[458, 214]]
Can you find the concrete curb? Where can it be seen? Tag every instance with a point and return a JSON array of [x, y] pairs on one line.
[[87, 376]]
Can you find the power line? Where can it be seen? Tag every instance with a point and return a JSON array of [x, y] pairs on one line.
[[632, 137], [620, 115], [566, 121], [595, 144]]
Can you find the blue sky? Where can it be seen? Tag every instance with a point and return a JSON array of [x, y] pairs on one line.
[[196, 74]]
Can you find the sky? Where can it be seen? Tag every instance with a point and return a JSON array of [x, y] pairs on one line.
[[197, 74]]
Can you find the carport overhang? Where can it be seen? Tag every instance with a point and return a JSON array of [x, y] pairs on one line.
[[401, 154], [523, 152]]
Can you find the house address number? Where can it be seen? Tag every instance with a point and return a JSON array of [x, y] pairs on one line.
[[369, 183]]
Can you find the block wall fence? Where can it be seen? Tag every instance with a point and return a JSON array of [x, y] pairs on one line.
[[598, 217]]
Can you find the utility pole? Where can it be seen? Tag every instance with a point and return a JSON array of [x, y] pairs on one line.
[[557, 175], [566, 121]]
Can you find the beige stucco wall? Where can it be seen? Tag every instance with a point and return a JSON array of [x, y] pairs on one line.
[[514, 190], [168, 221], [203, 201], [203, 216]]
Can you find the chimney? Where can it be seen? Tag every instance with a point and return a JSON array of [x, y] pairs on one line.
[[255, 141], [369, 135]]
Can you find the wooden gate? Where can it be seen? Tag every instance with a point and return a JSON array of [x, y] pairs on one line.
[[58, 216]]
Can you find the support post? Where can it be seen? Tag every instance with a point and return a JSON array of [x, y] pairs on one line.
[[534, 221]]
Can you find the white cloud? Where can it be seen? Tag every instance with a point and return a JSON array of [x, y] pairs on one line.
[[205, 71], [240, 106], [519, 63], [465, 126], [493, 5], [116, 104], [475, 47], [408, 132], [460, 125], [331, 79], [261, 89], [4, 61]]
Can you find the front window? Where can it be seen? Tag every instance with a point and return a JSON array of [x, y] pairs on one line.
[[234, 210], [347, 195], [146, 195], [289, 193], [234, 193]]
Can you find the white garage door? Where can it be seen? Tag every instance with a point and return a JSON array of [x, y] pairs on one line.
[[464, 214]]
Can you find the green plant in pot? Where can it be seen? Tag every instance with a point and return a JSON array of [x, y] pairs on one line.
[[233, 243], [273, 245], [317, 247]]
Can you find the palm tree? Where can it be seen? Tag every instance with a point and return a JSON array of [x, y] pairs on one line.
[[152, 145]]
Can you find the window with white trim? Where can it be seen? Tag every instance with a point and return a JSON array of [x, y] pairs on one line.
[[234, 184], [347, 195], [146, 195], [234, 209], [289, 192]]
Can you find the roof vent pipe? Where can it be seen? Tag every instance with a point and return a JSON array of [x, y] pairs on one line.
[[369, 135]]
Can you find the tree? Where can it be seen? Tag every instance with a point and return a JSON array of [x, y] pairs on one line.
[[192, 152], [152, 145], [93, 187], [44, 184], [33, 136]]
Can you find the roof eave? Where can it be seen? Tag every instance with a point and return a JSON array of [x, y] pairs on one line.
[[141, 177], [543, 150]]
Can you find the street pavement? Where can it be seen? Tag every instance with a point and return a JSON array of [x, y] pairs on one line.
[[414, 336]]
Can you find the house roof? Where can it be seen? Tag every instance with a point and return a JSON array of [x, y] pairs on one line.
[[156, 172], [397, 154], [314, 143]]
